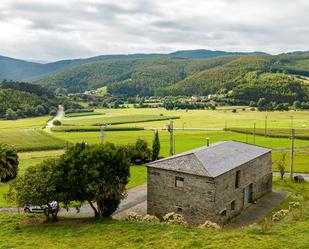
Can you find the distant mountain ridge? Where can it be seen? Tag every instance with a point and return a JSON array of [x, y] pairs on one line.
[[16, 69]]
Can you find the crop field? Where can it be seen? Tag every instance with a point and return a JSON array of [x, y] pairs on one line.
[[30, 139], [220, 118], [28, 231], [38, 122], [67, 128], [80, 114], [110, 119]]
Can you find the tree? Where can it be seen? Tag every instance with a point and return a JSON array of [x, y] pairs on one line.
[[96, 173], [38, 187], [57, 122], [296, 105], [155, 147], [8, 163], [10, 114], [281, 163]]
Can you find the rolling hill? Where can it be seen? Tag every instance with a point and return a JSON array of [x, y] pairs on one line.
[[15, 69]]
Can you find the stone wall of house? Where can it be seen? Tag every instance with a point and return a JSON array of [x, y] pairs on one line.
[[195, 200], [258, 172], [204, 198]]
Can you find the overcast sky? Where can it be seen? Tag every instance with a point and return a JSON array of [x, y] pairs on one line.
[[58, 29]]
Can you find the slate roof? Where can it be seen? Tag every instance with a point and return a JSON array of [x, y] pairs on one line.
[[211, 161]]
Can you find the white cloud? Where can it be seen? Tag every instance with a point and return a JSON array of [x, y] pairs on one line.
[[58, 29]]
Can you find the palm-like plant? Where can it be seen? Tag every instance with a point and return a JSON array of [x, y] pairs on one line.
[[8, 163]]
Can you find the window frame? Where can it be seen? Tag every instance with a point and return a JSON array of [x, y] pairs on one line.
[[237, 179], [233, 205], [179, 178]]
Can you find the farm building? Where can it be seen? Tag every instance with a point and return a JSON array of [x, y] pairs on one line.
[[209, 183]]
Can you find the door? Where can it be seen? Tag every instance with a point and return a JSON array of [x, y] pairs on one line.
[[248, 195]]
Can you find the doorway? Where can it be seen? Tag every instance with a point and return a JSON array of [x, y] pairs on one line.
[[248, 195]]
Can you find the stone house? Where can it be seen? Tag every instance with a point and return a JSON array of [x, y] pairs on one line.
[[209, 183]]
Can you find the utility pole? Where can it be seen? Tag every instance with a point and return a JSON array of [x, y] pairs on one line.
[[292, 153], [102, 134], [265, 132], [170, 129], [292, 119], [254, 132]]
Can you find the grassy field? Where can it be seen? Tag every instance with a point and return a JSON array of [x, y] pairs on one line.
[[21, 231], [274, 132], [184, 140], [217, 118], [301, 161], [110, 119], [82, 128], [38, 122], [30, 139]]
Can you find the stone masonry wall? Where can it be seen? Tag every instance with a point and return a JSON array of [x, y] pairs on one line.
[[195, 201], [258, 172], [204, 198]]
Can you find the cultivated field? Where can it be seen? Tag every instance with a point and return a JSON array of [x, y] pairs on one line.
[[38, 122], [112, 120], [30, 139], [217, 118]]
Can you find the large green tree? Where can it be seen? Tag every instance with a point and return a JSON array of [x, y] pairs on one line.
[[96, 174], [37, 187], [8, 162]]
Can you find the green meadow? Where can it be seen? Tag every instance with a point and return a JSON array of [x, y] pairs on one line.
[[29, 231]]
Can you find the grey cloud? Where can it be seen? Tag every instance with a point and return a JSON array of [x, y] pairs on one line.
[[54, 29]]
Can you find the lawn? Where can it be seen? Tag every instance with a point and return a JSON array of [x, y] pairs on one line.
[[38, 122], [21, 231], [30, 139], [111, 119]]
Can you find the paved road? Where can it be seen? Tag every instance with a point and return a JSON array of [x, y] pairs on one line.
[[256, 212], [59, 115], [185, 129], [135, 197], [306, 176]]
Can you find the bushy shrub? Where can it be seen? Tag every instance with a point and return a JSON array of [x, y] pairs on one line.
[[132, 216], [280, 214], [174, 219], [57, 122], [209, 224], [151, 218]]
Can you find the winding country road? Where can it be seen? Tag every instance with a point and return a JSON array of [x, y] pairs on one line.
[[59, 115]]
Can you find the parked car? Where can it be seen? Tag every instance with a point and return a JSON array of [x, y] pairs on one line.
[[41, 209]]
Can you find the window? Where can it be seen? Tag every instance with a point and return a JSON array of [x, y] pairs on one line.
[[179, 182], [223, 212], [237, 180], [233, 204]]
